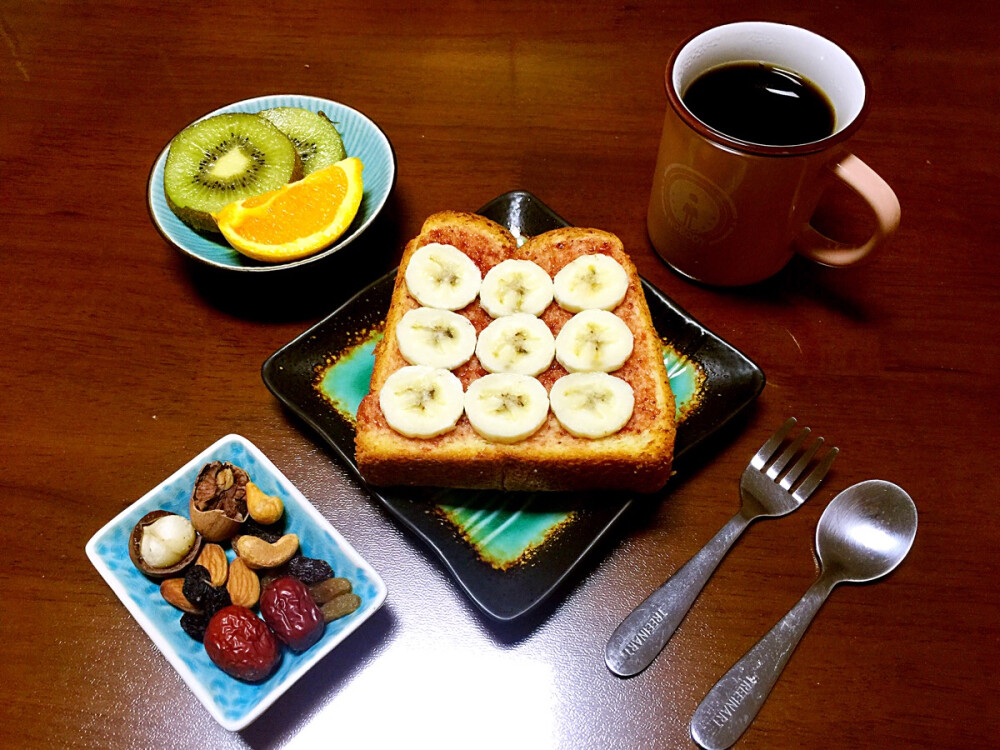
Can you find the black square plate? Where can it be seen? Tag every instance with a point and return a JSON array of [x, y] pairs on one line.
[[508, 551]]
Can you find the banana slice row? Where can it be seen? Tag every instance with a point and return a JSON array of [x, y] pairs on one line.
[[424, 402], [443, 277]]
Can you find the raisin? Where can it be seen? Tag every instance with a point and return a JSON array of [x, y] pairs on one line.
[[216, 599], [290, 612], [241, 645], [194, 625], [324, 591], [197, 583], [340, 606], [269, 534], [309, 570]]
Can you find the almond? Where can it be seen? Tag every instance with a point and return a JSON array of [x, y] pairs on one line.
[[243, 584], [213, 558], [172, 589]]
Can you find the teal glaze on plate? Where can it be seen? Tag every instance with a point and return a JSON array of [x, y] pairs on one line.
[[346, 382], [362, 138], [233, 703], [504, 528]]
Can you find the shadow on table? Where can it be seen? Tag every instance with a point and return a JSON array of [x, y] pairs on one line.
[[279, 723], [640, 515], [305, 292]]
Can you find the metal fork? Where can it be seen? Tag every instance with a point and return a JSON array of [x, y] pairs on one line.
[[765, 493]]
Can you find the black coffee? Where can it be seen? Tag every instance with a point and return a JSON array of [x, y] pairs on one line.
[[758, 103]]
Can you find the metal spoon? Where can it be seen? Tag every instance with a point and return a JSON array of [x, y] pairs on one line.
[[863, 534]]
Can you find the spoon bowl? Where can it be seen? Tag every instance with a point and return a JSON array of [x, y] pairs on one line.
[[866, 531]]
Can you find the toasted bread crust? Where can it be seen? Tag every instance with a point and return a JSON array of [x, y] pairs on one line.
[[637, 458]]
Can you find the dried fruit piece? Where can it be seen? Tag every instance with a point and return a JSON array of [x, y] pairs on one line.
[[324, 591], [198, 590], [260, 554], [263, 508], [270, 575], [241, 645], [172, 590], [340, 606], [271, 533], [194, 625], [216, 599], [290, 612], [197, 582], [213, 559], [218, 504], [243, 585], [309, 570]]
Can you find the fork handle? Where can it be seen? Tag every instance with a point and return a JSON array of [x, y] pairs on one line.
[[643, 634], [734, 702]]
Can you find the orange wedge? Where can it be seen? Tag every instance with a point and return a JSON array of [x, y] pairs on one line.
[[298, 219]]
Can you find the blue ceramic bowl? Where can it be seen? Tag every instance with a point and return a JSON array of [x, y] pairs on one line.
[[362, 138], [233, 703]]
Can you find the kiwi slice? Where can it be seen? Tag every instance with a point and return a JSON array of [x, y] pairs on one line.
[[314, 135], [223, 159]]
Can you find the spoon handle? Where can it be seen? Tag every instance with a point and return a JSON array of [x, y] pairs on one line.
[[734, 702], [646, 630]]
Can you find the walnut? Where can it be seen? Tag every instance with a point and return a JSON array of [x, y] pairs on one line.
[[219, 501]]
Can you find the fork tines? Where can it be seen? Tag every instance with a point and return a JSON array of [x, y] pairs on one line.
[[770, 448]]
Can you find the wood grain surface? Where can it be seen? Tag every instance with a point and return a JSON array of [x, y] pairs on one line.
[[121, 361]]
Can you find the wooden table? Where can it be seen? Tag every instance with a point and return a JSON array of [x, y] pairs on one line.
[[122, 361]]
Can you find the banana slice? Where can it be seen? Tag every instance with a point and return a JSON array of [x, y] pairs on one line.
[[518, 343], [515, 286], [591, 282], [506, 407], [421, 402], [592, 404], [442, 276], [436, 338], [594, 341]]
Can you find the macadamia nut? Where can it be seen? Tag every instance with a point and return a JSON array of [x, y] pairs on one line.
[[166, 541]]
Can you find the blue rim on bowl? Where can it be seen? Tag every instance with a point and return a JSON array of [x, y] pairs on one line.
[[362, 138]]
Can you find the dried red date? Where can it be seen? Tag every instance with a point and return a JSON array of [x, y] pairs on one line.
[[241, 645], [290, 612]]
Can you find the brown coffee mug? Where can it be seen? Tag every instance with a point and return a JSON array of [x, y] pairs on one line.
[[728, 212]]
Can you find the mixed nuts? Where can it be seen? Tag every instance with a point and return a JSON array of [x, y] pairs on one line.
[[296, 595]]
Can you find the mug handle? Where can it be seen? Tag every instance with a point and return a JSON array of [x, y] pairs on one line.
[[864, 181]]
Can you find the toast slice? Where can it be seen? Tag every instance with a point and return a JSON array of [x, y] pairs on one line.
[[637, 457]]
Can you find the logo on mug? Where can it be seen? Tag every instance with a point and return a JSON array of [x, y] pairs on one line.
[[695, 208]]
